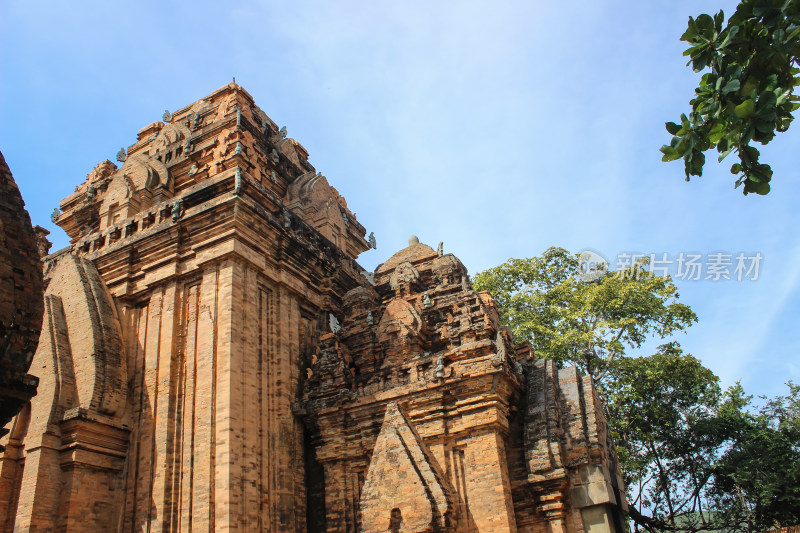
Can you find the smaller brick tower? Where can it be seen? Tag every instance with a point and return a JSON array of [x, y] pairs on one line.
[[421, 411]]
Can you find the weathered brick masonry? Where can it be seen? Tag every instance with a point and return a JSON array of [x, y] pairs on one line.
[[213, 358], [20, 325], [20, 299]]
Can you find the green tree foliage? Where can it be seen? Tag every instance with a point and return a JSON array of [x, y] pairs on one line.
[[664, 413], [747, 94], [589, 325], [693, 457], [757, 480]]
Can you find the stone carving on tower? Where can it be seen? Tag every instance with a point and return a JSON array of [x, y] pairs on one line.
[[509, 443]]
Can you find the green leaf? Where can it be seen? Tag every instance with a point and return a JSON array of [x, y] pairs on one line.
[[691, 31], [749, 155], [733, 31], [765, 107], [745, 109], [750, 87], [695, 160], [772, 82], [673, 128], [756, 187], [731, 86], [764, 127], [670, 154], [719, 18], [761, 173], [764, 9], [716, 132], [702, 59], [705, 26]]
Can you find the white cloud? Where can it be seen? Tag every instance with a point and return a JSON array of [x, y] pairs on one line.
[[500, 130]]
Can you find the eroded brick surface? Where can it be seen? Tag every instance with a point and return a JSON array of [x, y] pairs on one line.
[[214, 359], [20, 301]]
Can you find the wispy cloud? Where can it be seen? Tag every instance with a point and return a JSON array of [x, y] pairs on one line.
[[499, 130]]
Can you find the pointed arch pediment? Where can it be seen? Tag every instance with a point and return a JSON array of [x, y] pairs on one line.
[[86, 337], [405, 488]]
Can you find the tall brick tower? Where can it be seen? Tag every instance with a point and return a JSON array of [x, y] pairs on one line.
[[213, 358]]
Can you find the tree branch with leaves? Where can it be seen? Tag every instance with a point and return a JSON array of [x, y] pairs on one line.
[[747, 95]]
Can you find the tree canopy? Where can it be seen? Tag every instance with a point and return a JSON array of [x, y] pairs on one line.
[[757, 479], [589, 325], [693, 456], [664, 414], [746, 95]]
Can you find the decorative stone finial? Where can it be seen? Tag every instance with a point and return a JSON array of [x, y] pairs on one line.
[[499, 358], [438, 371], [122, 155], [282, 132], [426, 300], [412, 240], [237, 188], [167, 116], [333, 322], [440, 249], [177, 210], [42, 243], [54, 215], [372, 242]]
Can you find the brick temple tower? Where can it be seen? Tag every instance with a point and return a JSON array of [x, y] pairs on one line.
[[213, 358]]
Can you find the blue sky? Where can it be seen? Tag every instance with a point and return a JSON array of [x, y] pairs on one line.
[[499, 128]]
